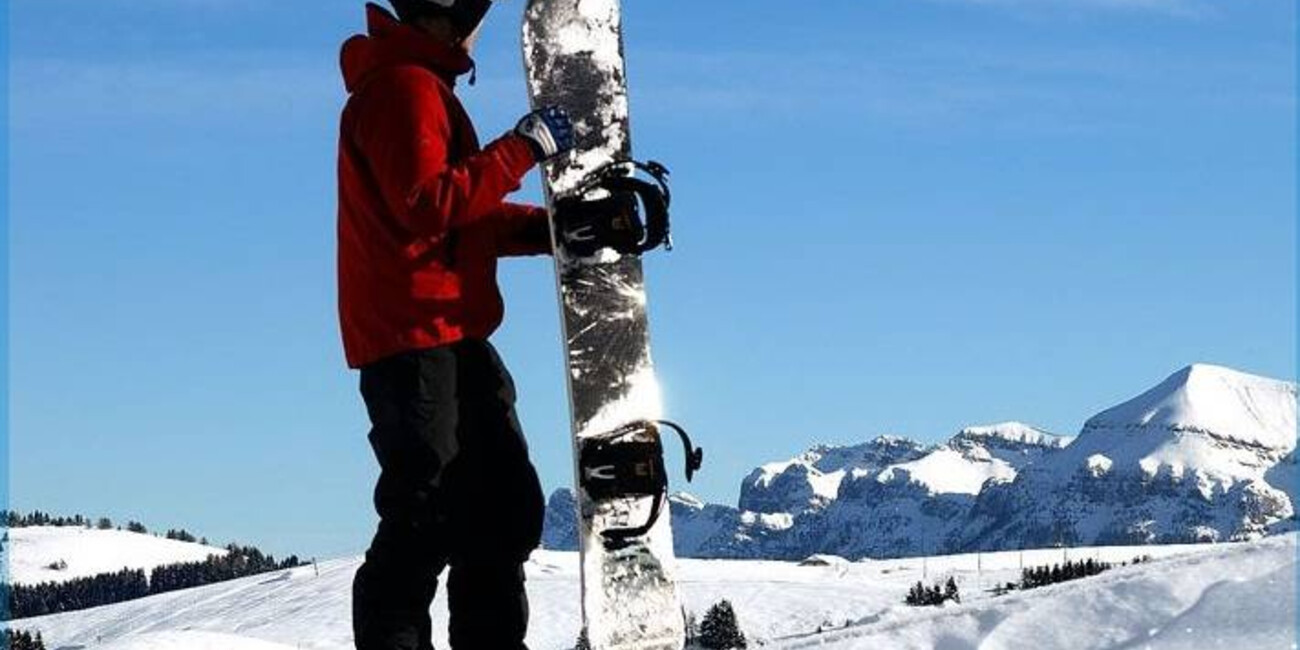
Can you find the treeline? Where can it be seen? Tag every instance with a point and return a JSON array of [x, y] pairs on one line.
[[15, 640], [239, 562], [78, 593], [129, 584], [1041, 576], [15, 519], [934, 595]]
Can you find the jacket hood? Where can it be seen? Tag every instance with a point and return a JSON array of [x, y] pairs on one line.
[[389, 43]]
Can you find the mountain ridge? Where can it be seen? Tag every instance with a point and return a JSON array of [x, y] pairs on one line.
[[1189, 459]]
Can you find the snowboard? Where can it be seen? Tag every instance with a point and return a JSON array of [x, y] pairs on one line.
[[573, 56]]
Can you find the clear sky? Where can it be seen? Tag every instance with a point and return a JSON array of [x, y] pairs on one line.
[[899, 216]]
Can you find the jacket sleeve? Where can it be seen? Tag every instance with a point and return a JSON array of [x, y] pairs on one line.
[[522, 230], [405, 133]]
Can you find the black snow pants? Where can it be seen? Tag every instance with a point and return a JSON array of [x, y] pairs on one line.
[[456, 489]]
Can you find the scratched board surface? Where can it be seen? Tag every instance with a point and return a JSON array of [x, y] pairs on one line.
[[573, 55]]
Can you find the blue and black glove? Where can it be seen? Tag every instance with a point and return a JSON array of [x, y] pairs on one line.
[[549, 132]]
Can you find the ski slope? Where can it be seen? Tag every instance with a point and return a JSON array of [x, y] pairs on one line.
[[1225, 596]]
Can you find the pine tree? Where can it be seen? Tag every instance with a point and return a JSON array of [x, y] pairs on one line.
[[915, 595], [720, 630], [950, 590], [19, 640]]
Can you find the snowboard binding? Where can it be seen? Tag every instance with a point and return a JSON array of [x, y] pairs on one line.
[[628, 462], [606, 211]]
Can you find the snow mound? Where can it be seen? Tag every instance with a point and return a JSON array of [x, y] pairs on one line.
[[1239, 596]]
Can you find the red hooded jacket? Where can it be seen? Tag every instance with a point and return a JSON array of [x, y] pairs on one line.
[[422, 217]]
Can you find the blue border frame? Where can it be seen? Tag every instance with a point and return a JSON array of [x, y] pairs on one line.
[[4, 300]]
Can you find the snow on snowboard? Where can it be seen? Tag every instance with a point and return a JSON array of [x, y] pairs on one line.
[[573, 55]]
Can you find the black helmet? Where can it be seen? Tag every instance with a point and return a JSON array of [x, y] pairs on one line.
[[464, 14]]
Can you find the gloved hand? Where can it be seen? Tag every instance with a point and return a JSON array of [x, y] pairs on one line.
[[549, 132], [587, 225]]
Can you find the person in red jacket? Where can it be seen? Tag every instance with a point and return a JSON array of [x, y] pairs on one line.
[[422, 222]]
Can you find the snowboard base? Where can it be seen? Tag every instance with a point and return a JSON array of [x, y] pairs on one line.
[[573, 56]]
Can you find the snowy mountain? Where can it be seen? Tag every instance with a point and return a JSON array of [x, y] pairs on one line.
[[1208, 454], [1188, 460], [1014, 442], [811, 480], [972, 457], [920, 506], [1235, 596], [821, 500], [81, 552], [905, 493], [560, 527]]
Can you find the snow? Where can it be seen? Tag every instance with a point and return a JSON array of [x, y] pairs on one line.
[[687, 499], [190, 641], [88, 552], [1220, 460], [1222, 402], [948, 471], [822, 559], [1235, 597], [771, 521], [1099, 464], [768, 472], [1017, 432], [812, 480], [826, 486], [1204, 596]]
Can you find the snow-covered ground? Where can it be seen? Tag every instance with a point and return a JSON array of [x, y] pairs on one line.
[[1226, 596], [87, 552]]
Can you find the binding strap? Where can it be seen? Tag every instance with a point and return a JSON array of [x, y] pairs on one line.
[[628, 462]]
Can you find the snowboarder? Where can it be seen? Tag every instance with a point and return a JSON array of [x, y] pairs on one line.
[[422, 222]]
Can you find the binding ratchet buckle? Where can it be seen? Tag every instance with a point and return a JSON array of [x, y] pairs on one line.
[[628, 462], [643, 222]]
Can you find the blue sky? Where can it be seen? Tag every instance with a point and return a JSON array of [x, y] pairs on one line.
[[902, 216]]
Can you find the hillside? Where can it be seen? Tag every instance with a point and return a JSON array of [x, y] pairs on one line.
[[89, 551], [1240, 596]]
